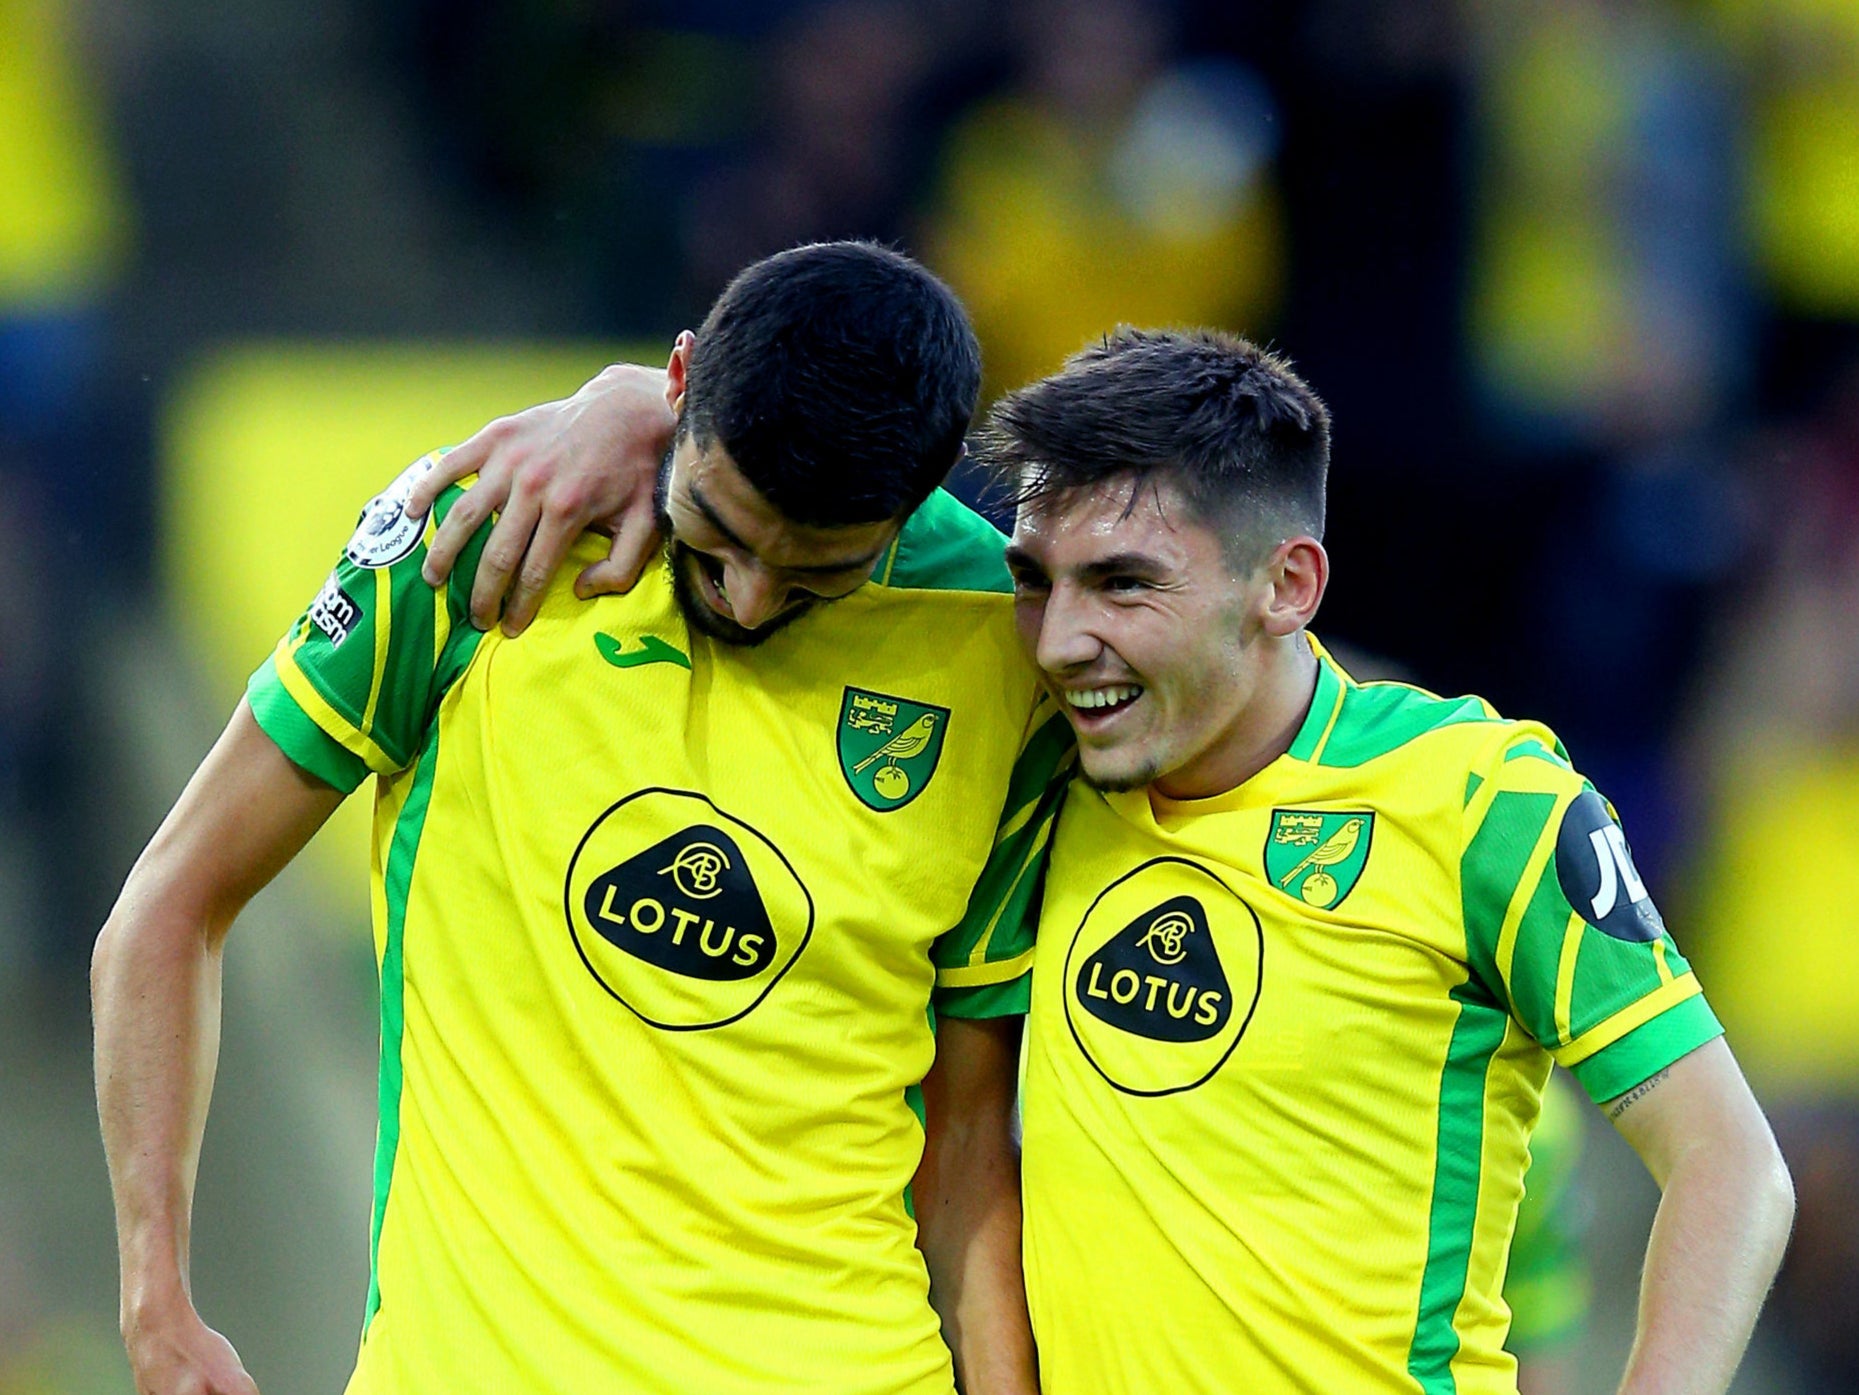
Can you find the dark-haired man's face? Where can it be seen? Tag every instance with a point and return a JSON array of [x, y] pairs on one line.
[[741, 569], [1145, 633]]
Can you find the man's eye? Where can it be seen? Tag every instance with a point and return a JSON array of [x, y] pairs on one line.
[[1028, 581], [1125, 583]]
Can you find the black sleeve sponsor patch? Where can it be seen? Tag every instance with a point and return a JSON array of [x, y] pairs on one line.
[[335, 612], [1595, 869]]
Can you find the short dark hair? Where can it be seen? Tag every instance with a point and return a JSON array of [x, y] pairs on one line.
[[841, 377], [1244, 438]]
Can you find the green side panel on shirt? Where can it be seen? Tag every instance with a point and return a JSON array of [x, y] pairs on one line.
[[1489, 872], [403, 851], [946, 546], [1648, 1049], [1383, 717], [302, 741], [1453, 1213]]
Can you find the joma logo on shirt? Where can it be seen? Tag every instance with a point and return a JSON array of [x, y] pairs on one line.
[[684, 914]]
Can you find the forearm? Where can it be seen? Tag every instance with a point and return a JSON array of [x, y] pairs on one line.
[[155, 992], [1716, 1243], [970, 1235]]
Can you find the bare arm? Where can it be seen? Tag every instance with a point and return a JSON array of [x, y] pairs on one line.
[[1723, 1222], [155, 997], [967, 1196], [555, 471]]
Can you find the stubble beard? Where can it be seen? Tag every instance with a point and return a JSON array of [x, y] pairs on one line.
[[1144, 774], [684, 561]]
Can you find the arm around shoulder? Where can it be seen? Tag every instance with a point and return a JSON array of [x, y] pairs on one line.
[[1726, 1209], [155, 997]]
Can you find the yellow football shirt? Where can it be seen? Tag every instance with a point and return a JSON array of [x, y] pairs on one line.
[[658, 924], [1287, 1045]]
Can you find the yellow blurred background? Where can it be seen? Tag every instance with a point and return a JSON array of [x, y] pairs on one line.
[[1578, 278]]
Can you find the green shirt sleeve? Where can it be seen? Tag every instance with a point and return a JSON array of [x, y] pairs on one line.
[[1560, 929], [354, 683], [984, 965]]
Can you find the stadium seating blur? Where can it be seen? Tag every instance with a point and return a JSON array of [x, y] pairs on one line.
[[1580, 281]]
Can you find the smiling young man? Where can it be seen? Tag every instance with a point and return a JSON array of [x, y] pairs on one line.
[[663, 904], [1308, 948]]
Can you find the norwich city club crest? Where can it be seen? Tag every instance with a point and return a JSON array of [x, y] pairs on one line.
[[1317, 857], [888, 747]]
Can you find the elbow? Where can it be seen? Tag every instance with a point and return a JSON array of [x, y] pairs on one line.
[[1765, 1191], [158, 923], [1776, 1187], [115, 941], [111, 955]]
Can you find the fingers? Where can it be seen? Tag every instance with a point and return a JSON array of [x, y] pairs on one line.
[[454, 532], [455, 464], [556, 529], [505, 547], [634, 544]]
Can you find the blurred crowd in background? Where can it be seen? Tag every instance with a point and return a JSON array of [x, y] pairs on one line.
[[1579, 280]]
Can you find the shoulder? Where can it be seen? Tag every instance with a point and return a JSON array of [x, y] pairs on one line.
[[1369, 722], [1422, 738], [946, 546]]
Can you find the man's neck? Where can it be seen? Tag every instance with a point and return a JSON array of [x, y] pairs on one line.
[[1270, 724]]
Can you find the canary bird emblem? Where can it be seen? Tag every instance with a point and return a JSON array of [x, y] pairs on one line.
[[888, 746], [1318, 856]]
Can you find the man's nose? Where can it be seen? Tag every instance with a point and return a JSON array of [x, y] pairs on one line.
[[1065, 639], [754, 596]]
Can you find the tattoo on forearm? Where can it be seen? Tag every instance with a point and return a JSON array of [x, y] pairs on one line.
[[1636, 1094]]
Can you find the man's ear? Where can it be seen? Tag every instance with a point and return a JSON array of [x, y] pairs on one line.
[[678, 370], [1298, 572]]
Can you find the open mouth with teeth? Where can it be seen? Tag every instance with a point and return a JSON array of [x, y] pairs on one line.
[[1090, 706]]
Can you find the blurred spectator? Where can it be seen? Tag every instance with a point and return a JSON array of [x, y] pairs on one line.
[[1375, 117], [840, 151], [63, 235], [1801, 62], [1776, 887], [62, 223], [581, 125], [1604, 302], [1110, 187], [1610, 340]]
